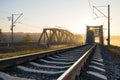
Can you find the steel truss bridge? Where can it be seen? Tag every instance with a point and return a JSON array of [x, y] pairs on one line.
[[94, 31], [57, 36]]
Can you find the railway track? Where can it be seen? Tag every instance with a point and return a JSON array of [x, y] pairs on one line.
[[51, 65]]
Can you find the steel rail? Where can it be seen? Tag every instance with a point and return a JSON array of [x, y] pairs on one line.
[[74, 70]]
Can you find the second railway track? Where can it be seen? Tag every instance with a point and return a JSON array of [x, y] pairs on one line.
[[41, 67]]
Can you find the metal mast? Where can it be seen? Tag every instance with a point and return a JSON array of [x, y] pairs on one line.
[[108, 17], [108, 25], [13, 24]]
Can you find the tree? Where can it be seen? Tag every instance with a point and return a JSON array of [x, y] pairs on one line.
[[28, 38], [2, 37]]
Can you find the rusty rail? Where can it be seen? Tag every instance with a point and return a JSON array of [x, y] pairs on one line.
[[12, 61]]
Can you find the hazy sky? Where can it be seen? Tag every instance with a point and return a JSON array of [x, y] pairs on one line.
[[73, 15]]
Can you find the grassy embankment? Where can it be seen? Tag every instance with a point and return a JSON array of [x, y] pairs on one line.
[[11, 54], [114, 49]]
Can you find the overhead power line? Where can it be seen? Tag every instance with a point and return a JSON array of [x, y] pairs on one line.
[[95, 8]]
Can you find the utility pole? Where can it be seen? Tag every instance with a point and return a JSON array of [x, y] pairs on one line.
[[108, 18], [13, 25], [108, 25], [12, 29]]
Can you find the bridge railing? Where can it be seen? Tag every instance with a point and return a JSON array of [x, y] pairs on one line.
[[74, 71]]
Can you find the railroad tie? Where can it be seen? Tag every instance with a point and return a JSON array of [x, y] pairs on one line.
[[96, 69]]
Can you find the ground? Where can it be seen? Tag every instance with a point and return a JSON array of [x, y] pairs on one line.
[[103, 65], [112, 65]]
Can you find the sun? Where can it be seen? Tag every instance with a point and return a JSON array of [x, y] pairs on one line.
[[80, 26]]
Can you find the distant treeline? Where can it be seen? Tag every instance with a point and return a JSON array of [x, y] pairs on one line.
[[5, 37], [24, 41]]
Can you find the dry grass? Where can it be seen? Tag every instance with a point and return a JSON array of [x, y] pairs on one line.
[[115, 40], [11, 54], [114, 49]]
